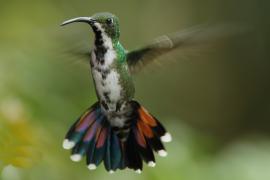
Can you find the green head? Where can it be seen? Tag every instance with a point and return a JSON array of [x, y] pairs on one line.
[[101, 23]]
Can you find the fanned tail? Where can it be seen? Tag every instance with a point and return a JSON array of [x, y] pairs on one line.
[[93, 136]]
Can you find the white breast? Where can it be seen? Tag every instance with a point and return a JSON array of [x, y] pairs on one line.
[[109, 85]]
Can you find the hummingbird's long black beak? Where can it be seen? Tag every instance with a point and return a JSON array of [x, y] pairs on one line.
[[88, 20]]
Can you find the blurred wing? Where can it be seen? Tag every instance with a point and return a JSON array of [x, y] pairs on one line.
[[79, 53], [73, 50], [187, 39]]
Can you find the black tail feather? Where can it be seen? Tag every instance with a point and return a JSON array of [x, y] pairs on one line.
[[133, 159], [159, 130]]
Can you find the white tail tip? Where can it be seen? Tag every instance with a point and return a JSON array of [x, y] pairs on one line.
[[76, 157], [138, 171], [68, 144], [111, 171], [166, 138], [151, 164], [92, 166], [162, 153]]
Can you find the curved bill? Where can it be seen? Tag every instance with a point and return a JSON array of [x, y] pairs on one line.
[[88, 20]]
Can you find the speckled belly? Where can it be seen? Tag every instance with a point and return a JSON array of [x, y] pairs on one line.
[[108, 88]]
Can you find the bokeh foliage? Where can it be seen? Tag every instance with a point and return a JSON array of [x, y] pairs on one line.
[[216, 103]]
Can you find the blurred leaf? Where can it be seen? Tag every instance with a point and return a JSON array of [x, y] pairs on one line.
[[19, 140]]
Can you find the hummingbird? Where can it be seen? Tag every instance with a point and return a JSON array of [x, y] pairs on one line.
[[117, 130]]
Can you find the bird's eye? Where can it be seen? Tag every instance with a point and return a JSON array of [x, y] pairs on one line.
[[109, 21]]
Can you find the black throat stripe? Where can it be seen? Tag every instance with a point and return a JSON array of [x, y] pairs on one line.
[[100, 50]]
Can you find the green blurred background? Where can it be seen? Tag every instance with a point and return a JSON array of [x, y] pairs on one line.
[[215, 102]]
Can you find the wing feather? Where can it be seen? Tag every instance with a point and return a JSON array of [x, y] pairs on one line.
[[188, 39]]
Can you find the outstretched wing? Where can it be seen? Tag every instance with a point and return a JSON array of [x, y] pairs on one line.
[[190, 38]]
